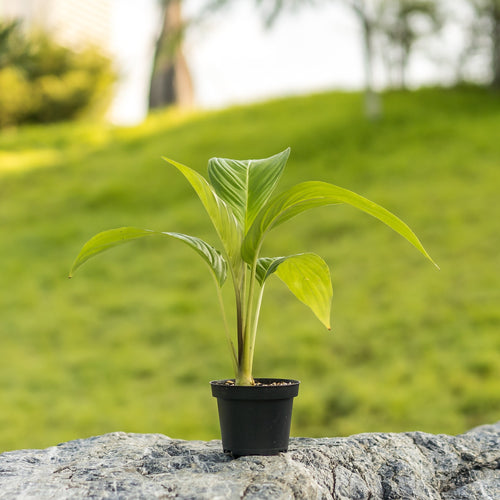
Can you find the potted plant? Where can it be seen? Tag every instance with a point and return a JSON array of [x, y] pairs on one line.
[[238, 196]]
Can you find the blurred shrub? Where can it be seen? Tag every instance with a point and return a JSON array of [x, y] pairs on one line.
[[41, 81]]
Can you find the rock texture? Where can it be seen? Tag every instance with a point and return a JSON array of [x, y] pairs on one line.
[[367, 466]]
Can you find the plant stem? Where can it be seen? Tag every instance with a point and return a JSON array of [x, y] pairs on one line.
[[241, 294], [226, 328], [236, 280], [245, 363], [239, 323], [255, 324]]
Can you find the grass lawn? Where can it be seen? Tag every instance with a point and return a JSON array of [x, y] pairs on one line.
[[131, 342]]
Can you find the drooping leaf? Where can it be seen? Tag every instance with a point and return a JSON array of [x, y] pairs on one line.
[[222, 217], [207, 252], [113, 237], [307, 195], [246, 185], [308, 278]]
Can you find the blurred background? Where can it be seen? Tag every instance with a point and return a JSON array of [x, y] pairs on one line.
[[396, 100]]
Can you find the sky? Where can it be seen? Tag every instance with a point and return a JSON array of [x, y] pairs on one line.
[[235, 59]]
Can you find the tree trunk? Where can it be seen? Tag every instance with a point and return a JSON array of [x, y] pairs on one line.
[[372, 99], [171, 82], [495, 63], [405, 55]]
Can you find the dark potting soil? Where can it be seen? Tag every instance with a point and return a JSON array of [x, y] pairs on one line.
[[261, 384]]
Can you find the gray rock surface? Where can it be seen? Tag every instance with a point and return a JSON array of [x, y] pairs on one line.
[[366, 466]]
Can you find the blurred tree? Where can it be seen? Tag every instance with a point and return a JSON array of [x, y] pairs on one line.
[[12, 44], [401, 24], [487, 13], [368, 19], [171, 79], [395, 20]]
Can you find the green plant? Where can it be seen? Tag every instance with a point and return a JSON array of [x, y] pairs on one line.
[[239, 202]]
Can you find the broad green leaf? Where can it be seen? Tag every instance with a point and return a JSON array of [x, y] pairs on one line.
[[222, 217], [313, 194], [246, 185], [114, 237], [308, 278]]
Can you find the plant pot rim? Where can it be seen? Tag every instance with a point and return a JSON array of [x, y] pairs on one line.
[[288, 388]]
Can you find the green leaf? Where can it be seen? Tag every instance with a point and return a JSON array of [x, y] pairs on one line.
[[208, 253], [222, 217], [313, 194], [308, 278], [267, 266], [114, 237], [246, 185]]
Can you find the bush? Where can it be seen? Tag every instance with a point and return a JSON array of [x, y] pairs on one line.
[[41, 81], [16, 99]]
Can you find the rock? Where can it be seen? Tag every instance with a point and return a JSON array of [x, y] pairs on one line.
[[411, 465]]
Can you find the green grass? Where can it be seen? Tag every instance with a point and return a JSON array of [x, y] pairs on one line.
[[132, 341]]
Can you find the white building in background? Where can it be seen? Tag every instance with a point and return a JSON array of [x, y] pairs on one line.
[[72, 22], [126, 30]]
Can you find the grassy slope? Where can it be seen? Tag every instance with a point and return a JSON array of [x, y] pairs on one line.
[[132, 341]]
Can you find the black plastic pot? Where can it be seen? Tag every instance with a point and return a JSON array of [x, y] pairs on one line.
[[255, 420]]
